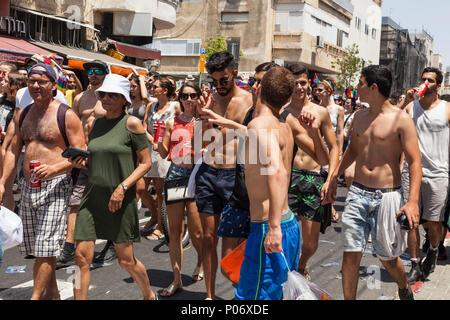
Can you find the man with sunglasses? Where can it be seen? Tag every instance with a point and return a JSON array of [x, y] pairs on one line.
[[88, 108], [216, 176], [43, 208]]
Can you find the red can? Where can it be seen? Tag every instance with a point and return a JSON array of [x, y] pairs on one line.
[[34, 183], [160, 131], [421, 92]]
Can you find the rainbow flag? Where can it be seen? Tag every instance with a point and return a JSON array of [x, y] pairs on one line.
[[316, 78], [328, 83], [243, 85], [61, 83]]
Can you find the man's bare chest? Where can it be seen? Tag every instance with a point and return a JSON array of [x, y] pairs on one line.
[[43, 129]]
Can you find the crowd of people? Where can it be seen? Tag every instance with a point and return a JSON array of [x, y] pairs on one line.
[[153, 143]]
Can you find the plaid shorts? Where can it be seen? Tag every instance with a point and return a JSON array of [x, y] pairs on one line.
[[43, 211]]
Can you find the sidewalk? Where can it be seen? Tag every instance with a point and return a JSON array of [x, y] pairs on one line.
[[437, 286]]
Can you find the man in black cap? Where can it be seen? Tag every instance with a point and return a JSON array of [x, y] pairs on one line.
[[87, 108], [45, 128]]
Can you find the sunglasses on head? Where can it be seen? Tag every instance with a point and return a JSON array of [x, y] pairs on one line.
[[186, 96], [96, 71], [252, 81], [112, 95]]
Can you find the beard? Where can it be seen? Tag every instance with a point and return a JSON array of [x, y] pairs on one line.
[[224, 91]]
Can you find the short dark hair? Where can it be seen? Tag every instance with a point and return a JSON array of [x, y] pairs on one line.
[[277, 87], [439, 75], [220, 61], [297, 69], [380, 75], [266, 66]]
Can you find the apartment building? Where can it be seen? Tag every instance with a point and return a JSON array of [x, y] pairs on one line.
[[83, 30], [312, 32]]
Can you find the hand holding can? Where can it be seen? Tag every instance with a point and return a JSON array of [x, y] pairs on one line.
[[160, 131], [421, 91]]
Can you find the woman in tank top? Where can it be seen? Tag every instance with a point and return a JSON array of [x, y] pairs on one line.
[[163, 110], [177, 146], [139, 98]]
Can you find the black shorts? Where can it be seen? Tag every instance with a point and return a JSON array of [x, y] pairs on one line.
[[304, 197], [213, 188]]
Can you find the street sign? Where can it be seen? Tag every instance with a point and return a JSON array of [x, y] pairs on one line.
[[202, 59]]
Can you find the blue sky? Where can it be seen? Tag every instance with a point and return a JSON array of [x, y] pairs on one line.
[[432, 15]]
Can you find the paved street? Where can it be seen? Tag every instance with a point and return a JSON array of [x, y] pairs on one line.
[[113, 283]]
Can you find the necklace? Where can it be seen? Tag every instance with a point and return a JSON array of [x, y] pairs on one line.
[[185, 119]]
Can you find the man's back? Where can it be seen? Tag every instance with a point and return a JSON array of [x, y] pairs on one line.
[[264, 130]]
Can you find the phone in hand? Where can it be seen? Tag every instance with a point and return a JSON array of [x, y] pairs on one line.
[[74, 153]]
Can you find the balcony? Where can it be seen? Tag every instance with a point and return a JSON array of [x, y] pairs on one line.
[[287, 40], [334, 50], [134, 18]]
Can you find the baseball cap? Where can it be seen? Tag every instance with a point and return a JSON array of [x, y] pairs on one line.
[[49, 71], [117, 84], [96, 64]]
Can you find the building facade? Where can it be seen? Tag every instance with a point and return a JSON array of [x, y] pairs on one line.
[[405, 58], [312, 32]]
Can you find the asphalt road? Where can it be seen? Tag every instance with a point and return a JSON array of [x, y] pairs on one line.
[[110, 282]]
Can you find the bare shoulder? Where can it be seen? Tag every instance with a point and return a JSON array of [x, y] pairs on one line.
[[239, 105], [264, 122], [135, 125]]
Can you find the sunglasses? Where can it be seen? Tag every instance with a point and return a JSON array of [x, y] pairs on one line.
[[112, 95], [185, 96], [41, 82], [98, 72], [223, 82], [252, 81]]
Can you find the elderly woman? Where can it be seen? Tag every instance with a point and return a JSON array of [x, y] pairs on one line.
[[118, 158]]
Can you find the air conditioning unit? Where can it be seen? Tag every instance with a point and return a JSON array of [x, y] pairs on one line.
[[277, 27], [320, 42]]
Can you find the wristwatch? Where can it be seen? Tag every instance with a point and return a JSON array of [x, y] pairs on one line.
[[124, 186]]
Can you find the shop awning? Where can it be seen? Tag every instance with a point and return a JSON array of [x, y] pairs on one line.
[[77, 57], [17, 50], [137, 52], [312, 67]]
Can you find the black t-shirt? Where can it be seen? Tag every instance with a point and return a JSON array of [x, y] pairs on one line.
[[6, 112], [239, 198]]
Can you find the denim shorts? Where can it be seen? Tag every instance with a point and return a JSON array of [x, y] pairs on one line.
[[175, 172], [359, 219]]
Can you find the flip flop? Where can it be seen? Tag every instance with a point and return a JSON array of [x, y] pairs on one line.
[[170, 290], [198, 272], [154, 236]]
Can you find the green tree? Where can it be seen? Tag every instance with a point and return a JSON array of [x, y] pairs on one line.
[[215, 44], [349, 66]]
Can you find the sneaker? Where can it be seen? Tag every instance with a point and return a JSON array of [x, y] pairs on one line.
[[406, 294], [108, 254], [67, 258], [442, 252], [415, 274], [429, 262]]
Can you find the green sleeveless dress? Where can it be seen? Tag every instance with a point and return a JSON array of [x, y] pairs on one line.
[[112, 159]]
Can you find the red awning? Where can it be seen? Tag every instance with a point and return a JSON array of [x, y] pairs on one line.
[[137, 52], [17, 50]]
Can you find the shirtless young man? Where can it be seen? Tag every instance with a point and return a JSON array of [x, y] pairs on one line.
[[235, 221], [380, 134], [264, 270], [87, 108], [431, 116], [37, 128], [216, 176], [308, 192]]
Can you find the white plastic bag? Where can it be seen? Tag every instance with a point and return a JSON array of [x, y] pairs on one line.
[[11, 229], [191, 185], [298, 287]]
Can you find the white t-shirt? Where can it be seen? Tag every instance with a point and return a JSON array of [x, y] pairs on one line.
[[23, 98]]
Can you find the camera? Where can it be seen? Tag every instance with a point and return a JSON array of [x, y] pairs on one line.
[[403, 221]]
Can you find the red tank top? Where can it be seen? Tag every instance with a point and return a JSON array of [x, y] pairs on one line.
[[181, 139]]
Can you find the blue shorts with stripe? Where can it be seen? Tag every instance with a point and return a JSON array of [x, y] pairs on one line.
[[263, 274]]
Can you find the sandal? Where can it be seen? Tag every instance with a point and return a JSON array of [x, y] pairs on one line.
[[198, 274], [155, 236], [305, 273], [149, 227], [170, 290]]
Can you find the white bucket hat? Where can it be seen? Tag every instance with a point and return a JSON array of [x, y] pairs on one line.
[[117, 84]]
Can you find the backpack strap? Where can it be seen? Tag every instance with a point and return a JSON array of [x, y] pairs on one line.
[[61, 117]]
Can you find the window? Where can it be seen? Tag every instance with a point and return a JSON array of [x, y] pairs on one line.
[[234, 17], [340, 38], [177, 47], [288, 21], [374, 33], [358, 23], [367, 29]]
